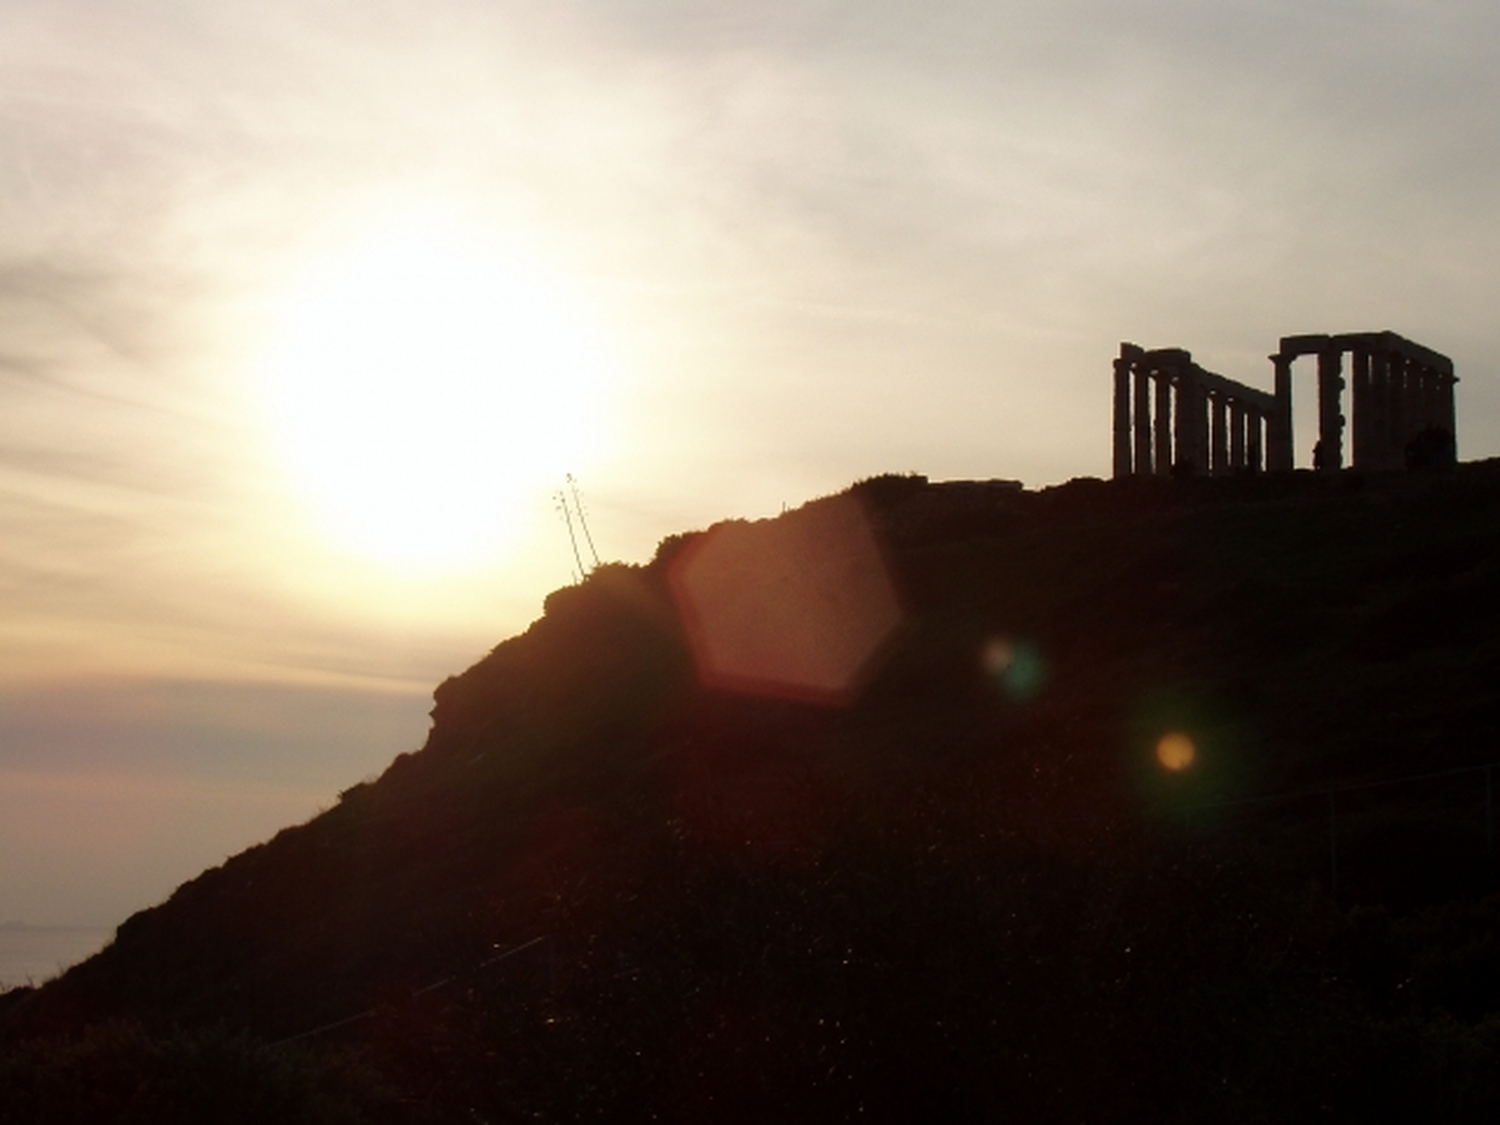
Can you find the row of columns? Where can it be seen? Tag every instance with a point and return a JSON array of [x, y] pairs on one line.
[[1172, 415], [1402, 391]]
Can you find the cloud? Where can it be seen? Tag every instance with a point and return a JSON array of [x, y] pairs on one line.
[[824, 235]]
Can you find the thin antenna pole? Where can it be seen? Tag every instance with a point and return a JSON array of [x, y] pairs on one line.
[[582, 522], [562, 506]]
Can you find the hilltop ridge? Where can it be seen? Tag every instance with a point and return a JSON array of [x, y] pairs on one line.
[[650, 896]]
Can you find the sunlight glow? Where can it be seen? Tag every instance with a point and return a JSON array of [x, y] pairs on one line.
[[1175, 751], [424, 387]]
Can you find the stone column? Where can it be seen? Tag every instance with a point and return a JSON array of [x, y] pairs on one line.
[[1163, 424], [1189, 424], [1142, 421], [1434, 397], [1279, 457], [1447, 409], [1255, 420], [1378, 439], [1219, 455], [1402, 371], [1330, 412], [1236, 435], [1122, 417], [1416, 398], [1360, 406]]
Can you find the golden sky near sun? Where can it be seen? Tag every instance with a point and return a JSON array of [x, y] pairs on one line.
[[425, 382]]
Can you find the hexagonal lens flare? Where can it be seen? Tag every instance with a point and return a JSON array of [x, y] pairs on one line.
[[799, 607]]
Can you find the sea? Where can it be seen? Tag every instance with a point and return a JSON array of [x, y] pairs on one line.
[[33, 954]]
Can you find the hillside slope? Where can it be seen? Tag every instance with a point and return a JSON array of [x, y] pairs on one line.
[[971, 889]]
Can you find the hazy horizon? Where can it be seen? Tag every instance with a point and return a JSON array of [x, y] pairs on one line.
[[306, 313]]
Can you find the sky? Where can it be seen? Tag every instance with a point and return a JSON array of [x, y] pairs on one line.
[[309, 309]]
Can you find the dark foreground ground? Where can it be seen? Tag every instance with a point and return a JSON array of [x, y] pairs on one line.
[[969, 892]]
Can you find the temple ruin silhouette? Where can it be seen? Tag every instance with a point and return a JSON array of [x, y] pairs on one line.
[[1196, 422]]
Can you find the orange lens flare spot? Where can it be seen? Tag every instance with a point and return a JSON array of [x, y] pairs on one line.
[[798, 607], [1175, 752]]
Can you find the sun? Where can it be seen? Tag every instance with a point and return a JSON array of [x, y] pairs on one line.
[[423, 388]]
